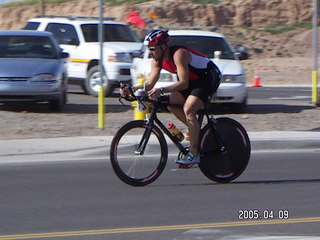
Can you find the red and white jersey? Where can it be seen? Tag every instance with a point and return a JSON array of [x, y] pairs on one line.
[[199, 63]]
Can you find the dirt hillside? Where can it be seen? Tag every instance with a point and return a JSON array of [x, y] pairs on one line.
[[238, 19], [253, 13]]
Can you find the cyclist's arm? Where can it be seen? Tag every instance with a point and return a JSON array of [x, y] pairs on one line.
[[153, 76], [181, 58]]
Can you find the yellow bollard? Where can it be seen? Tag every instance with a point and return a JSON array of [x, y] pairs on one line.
[[101, 107], [314, 86], [139, 114]]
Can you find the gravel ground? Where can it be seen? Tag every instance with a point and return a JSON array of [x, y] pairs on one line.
[[35, 121]]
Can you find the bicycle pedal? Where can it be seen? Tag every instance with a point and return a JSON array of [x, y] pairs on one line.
[[182, 166]]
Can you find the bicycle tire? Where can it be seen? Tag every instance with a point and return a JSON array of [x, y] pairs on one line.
[[132, 168], [225, 166]]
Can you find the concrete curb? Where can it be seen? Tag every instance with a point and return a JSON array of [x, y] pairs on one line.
[[97, 147], [285, 140]]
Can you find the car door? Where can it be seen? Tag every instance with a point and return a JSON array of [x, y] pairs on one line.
[[68, 40]]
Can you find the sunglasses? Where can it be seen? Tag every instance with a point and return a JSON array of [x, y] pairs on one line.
[[152, 48]]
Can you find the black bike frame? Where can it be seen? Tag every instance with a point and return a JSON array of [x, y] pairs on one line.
[[153, 119]]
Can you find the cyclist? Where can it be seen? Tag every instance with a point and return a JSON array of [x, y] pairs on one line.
[[197, 77]]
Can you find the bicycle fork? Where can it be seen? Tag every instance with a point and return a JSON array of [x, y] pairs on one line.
[[144, 140]]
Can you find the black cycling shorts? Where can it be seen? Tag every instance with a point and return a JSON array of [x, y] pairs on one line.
[[205, 87]]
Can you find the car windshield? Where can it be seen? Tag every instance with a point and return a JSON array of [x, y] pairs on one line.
[[27, 47], [112, 33], [205, 45]]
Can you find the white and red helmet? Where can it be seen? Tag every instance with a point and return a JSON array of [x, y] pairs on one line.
[[156, 37]]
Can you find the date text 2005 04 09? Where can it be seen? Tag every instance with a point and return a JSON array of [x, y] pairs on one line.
[[254, 214]]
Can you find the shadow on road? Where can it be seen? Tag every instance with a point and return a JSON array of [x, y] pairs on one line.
[[26, 107], [68, 108], [288, 181], [266, 181], [315, 130], [260, 109], [84, 104], [276, 108], [93, 108]]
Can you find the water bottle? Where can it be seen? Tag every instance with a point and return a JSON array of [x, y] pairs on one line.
[[141, 106], [175, 131]]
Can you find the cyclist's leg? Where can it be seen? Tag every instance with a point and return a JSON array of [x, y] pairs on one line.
[[190, 108], [197, 98], [176, 98]]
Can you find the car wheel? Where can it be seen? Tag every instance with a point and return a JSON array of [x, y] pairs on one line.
[[58, 104], [93, 83], [240, 107]]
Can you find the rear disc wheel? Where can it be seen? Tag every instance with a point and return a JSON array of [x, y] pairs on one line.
[[224, 165]]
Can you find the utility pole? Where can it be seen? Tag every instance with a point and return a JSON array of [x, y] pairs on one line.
[[315, 53], [101, 95], [42, 7]]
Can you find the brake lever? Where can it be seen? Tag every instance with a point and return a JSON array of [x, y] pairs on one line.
[[120, 100], [124, 85]]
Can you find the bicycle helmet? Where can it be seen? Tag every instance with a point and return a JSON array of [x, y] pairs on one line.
[[156, 37]]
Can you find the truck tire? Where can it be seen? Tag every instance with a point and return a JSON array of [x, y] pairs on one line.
[[93, 82]]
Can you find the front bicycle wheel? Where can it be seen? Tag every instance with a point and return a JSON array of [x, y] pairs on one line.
[[134, 164], [224, 165]]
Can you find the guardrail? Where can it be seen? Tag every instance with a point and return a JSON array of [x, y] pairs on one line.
[[77, 17], [209, 28]]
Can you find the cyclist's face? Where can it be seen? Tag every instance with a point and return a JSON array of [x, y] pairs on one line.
[[156, 52]]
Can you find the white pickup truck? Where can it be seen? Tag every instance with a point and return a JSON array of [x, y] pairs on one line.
[[78, 36]]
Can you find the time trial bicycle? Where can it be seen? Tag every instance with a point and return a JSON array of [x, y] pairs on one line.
[[139, 150]]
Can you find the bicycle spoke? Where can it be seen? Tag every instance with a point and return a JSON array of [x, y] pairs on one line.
[[138, 156]]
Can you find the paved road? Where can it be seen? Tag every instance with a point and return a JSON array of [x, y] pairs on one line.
[[83, 199], [297, 93]]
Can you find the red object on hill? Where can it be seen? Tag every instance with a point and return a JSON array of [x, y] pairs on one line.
[[134, 18]]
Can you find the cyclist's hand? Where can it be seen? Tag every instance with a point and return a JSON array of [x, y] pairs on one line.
[[154, 93], [124, 91]]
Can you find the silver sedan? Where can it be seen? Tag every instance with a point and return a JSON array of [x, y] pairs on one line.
[[32, 68]]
